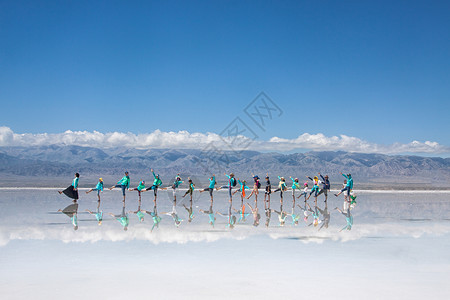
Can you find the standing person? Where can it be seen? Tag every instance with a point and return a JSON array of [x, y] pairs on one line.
[[315, 188], [139, 188], [231, 184], [244, 186], [122, 218], [348, 217], [155, 217], [256, 186], [123, 183], [304, 192], [72, 212], [267, 191], [212, 183], [348, 187], [156, 183], [72, 190], [98, 188], [325, 186], [190, 190], [281, 188], [175, 185], [295, 186]]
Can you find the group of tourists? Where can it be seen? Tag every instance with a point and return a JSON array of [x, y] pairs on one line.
[[312, 187]]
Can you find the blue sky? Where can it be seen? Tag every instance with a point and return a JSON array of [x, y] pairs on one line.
[[377, 71]]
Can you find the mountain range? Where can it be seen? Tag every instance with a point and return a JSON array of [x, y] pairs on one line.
[[55, 165]]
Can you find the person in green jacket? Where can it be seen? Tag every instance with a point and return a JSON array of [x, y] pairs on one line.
[[98, 188], [139, 188], [348, 187], [156, 184], [123, 183]]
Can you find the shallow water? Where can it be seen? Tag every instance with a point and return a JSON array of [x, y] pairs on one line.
[[397, 249]]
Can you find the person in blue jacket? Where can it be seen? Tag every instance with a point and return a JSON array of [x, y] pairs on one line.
[[123, 183], [156, 184], [348, 187], [210, 188], [98, 188]]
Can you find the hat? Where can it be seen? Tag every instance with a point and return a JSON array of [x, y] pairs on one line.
[[305, 184], [101, 179]]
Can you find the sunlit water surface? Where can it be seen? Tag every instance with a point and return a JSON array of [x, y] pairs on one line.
[[396, 249]]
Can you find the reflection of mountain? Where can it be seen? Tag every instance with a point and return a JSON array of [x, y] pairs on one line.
[[62, 160]]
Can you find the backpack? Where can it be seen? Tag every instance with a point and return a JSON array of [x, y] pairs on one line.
[[233, 181], [259, 184]]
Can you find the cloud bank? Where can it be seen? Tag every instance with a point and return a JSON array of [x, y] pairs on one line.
[[92, 234], [187, 140]]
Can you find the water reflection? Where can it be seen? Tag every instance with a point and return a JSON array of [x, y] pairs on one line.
[[72, 212], [122, 218], [154, 214], [210, 213]]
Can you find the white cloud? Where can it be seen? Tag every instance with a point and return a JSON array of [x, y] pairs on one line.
[[92, 234], [185, 139]]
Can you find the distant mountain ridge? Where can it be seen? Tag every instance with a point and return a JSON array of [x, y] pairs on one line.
[[63, 161]]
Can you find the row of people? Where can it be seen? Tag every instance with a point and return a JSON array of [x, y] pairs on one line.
[[124, 185]]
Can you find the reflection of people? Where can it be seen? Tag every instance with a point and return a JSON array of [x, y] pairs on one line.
[[98, 214], [231, 218], [98, 188], [72, 212], [305, 213], [155, 217], [139, 213], [256, 215], [156, 183], [281, 215], [174, 215], [190, 211], [210, 188], [315, 214], [72, 190], [123, 183], [139, 188], [210, 213], [268, 213], [326, 216], [348, 217], [122, 218]]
